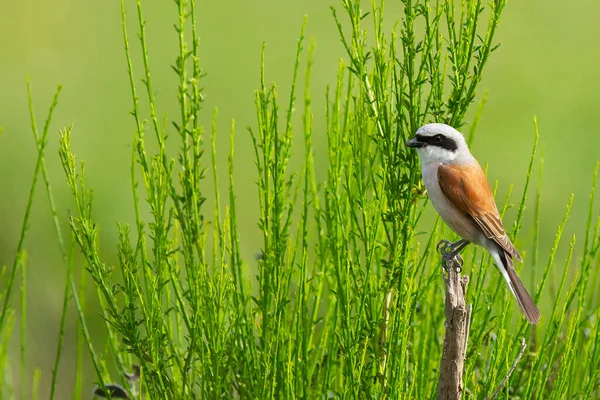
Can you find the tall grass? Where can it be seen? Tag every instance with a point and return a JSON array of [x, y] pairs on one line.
[[345, 298]]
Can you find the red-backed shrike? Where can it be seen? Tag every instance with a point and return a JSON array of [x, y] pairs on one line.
[[461, 194]]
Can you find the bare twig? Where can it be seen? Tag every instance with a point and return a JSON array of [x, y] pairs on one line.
[[458, 315], [512, 369], [384, 333]]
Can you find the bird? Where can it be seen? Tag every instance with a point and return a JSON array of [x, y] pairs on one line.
[[460, 193]]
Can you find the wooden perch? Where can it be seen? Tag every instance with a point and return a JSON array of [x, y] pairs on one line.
[[458, 318]]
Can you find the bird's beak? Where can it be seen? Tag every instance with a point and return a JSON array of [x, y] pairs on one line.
[[414, 143]]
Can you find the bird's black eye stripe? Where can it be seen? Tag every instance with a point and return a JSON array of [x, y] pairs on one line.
[[438, 140]]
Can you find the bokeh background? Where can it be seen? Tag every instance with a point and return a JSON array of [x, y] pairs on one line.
[[547, 66]]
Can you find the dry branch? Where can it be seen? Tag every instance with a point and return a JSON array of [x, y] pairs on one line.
[[510, 371], [458, 317], [384, 334]]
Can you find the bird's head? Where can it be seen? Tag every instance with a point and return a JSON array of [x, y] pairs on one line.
[[440, 143]]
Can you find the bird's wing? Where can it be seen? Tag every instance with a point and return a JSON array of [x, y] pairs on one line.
[[467, 188]]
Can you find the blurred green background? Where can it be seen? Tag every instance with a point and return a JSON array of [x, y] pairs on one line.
[[547, 66]]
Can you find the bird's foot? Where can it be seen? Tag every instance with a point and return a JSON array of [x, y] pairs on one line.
[[450, 251]]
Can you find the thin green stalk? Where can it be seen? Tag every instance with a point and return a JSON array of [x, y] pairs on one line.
[[517, 226], [63, 320], [81, 337], [37, 376], [41, 146], [23, 341]]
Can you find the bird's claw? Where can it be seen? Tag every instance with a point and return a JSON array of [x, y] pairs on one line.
[[446, 249], [444, 246]]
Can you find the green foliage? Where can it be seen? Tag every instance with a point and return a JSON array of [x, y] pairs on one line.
[[345, 297]]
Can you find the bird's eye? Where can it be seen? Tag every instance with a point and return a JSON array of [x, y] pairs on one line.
[[438, 138]]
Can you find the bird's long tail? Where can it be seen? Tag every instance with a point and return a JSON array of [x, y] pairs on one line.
[[507, 268]]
